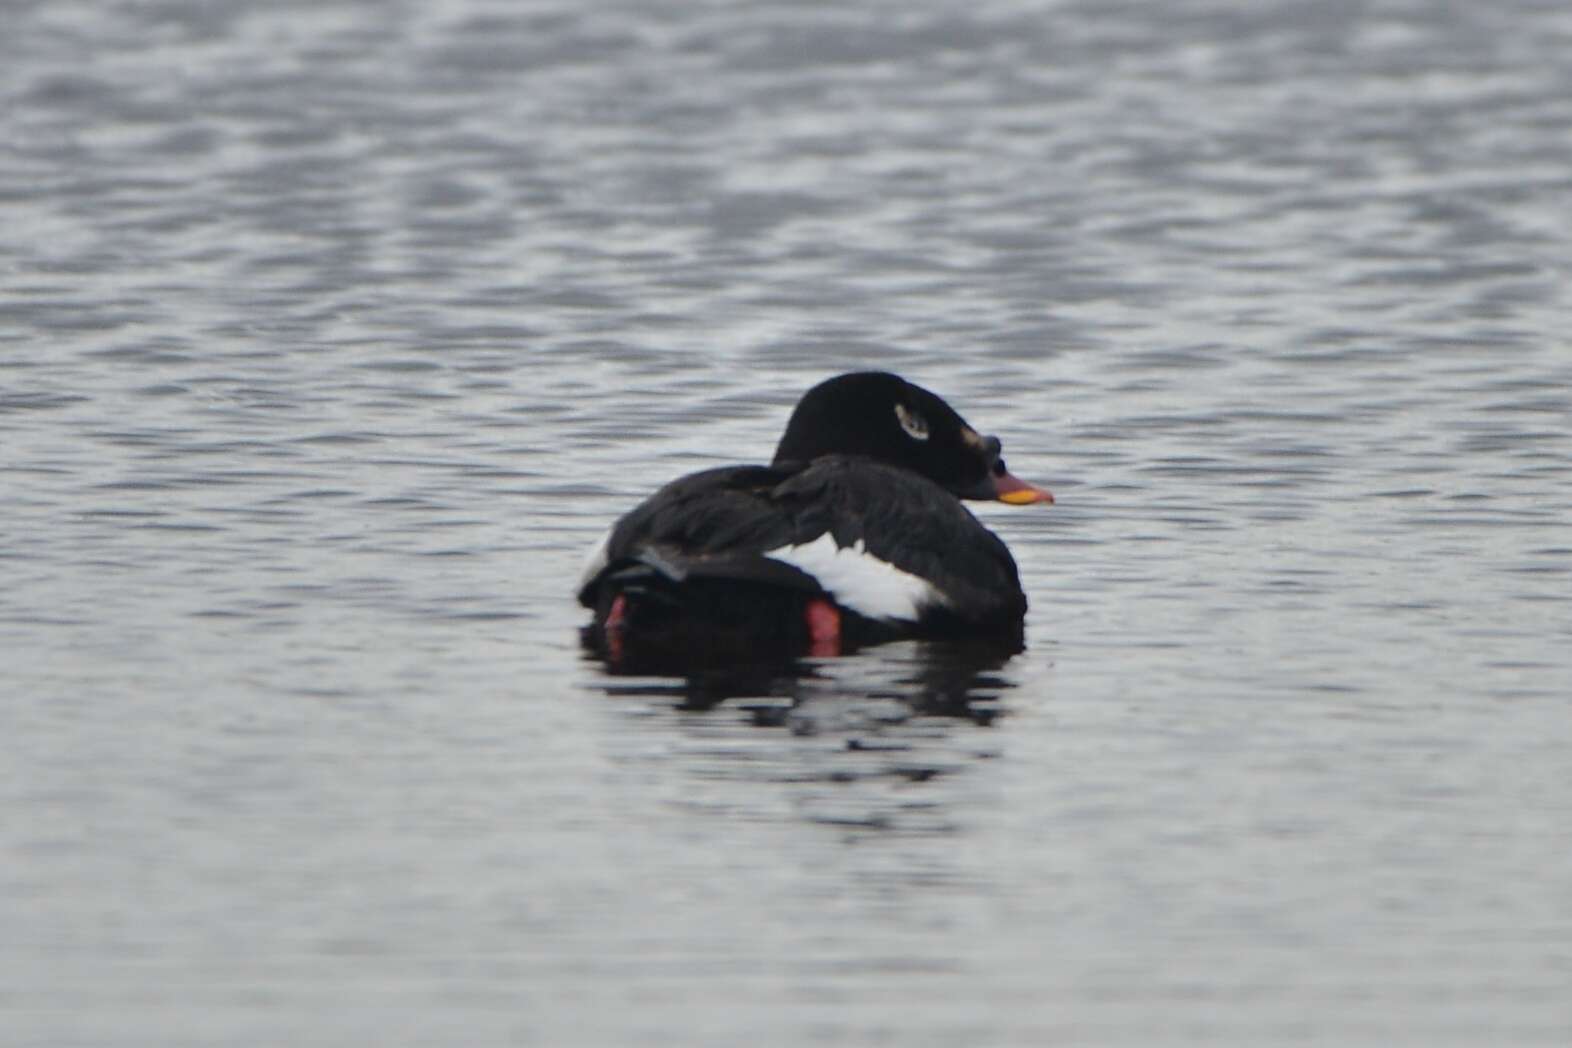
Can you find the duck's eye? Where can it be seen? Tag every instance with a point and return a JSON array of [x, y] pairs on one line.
[[998, 467], [914, 424]]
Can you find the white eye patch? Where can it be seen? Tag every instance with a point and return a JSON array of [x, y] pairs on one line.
[[914, 424]]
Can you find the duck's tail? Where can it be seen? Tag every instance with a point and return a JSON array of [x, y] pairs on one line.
[[647, 622]]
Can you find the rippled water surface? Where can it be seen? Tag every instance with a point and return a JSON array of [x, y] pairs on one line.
[[332, 335]]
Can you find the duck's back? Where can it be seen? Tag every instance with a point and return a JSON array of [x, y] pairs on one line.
[[740, 560]]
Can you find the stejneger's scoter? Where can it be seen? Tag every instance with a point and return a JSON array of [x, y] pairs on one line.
[[854, 534]]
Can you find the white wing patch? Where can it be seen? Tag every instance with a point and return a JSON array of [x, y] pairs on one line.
[[859, 580], [596, 561]]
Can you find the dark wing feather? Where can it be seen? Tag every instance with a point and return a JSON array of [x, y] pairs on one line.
[[714, 524]]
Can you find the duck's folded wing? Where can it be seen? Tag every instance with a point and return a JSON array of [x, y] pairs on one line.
[[891, 544], [714, 524]]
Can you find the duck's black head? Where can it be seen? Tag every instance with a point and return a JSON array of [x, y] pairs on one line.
[[884, 417]]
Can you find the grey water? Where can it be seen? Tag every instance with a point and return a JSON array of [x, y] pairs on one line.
[[333, 335]]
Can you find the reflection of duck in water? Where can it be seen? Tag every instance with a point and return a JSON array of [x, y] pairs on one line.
[[890, 686], [865, 731], [854, 534]]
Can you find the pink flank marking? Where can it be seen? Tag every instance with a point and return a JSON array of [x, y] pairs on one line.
[[824, 628], [616, 622]]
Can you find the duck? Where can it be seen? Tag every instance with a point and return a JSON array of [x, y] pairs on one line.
[[854, 534]]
